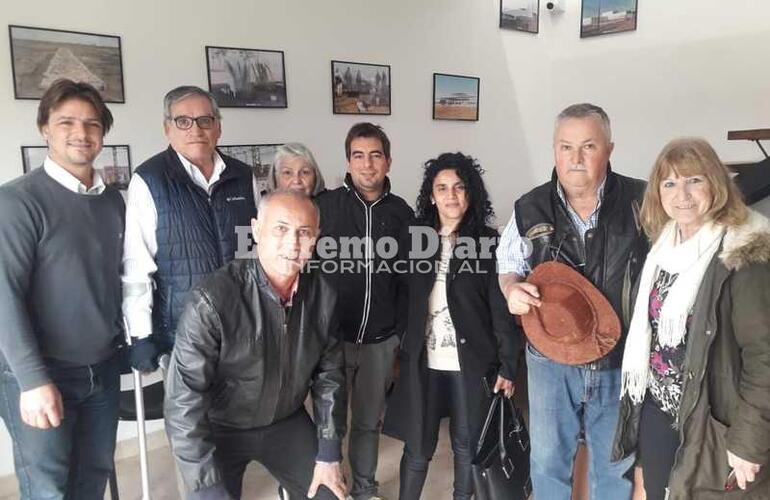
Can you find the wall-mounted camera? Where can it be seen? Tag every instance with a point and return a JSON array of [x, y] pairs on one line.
[[555, 6]]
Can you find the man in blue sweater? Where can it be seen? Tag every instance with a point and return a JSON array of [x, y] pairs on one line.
[[61, 241]]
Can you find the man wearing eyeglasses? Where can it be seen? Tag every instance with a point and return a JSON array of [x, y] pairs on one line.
[[183, 207]]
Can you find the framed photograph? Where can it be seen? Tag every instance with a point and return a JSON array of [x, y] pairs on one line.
[[114, 162], [360, 88], [602, 17], [520, 15], [258, 156], [41, 56], [455, 97], [246, 78]]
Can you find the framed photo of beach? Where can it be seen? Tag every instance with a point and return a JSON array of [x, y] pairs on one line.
[[455, 97], [603, 17], [40, 56], [520, 15]]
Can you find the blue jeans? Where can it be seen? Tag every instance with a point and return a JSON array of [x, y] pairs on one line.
[[72, 461], [563, 400]]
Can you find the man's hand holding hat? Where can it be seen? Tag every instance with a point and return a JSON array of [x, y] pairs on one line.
[[521, 296]]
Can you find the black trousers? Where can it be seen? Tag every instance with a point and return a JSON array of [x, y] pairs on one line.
[[286, 448], [445, 391], [658, 442], [369, 371]]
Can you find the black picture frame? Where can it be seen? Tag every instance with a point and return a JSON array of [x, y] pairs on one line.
[[523, 22], [258, 156], [246, 78], [39, 56], [612, 24], [449, 105], [119, 176], [356, 93]]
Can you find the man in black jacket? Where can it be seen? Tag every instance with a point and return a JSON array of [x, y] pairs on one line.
[[365, 219], [587, 218], [253, 338]]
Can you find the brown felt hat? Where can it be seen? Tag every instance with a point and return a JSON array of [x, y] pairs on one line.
[[575, 324]]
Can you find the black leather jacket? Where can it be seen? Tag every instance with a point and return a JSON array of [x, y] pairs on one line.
[[243, 360], [613, 253]]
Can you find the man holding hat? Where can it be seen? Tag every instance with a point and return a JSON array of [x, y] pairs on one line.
[[586, 219]]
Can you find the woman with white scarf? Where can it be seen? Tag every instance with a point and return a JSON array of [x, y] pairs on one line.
[[696, 366]]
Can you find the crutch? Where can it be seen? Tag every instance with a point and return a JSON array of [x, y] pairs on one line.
[[139, 403]]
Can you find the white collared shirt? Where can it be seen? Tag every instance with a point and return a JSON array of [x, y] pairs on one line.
[[69, 181], [141, 245]]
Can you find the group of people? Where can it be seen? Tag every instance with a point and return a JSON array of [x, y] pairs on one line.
[[341, 303]]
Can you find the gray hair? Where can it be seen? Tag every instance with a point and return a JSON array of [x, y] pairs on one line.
[[585, 110], [265, 200], [175, 95], [294, 150]]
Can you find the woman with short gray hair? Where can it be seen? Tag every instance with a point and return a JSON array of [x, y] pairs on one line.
[[295, 168]]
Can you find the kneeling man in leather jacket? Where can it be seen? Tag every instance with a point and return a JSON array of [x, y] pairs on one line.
[[254, 338]]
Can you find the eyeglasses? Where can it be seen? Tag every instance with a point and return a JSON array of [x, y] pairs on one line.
[[186, 122]]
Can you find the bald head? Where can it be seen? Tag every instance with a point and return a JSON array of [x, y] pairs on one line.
[[296, 198], [285, 230]]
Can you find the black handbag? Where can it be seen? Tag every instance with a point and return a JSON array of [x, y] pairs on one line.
[[501, 464]]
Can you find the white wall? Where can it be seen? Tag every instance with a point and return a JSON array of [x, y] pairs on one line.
[[694, 67]]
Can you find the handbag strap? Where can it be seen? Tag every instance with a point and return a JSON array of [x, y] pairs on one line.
[[505, 460], [488, 423], [501, 432]]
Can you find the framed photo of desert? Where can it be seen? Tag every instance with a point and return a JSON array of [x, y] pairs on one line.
[[360, 88], [258, 156], [455, 97], [40, 56], [602, 17], [113, 163], [246, 78], [520, 15]]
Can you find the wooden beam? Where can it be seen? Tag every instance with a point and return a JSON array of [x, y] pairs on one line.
[[758, 134]]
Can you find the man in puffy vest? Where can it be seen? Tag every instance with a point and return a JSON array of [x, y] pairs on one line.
[[585, 217], [183, 210]]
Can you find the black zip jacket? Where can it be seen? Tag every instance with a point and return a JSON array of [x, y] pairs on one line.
[[243, 360], [372, 298]]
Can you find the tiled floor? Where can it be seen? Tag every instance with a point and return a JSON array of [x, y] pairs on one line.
[[259, 485]]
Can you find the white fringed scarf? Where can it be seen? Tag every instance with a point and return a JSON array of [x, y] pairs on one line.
[[689, 260]]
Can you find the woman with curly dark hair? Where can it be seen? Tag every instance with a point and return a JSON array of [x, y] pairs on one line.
[[459, 330]]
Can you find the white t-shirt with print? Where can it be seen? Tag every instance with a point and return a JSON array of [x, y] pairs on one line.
[[440, 337]]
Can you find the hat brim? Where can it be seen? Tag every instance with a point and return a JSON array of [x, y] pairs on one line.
[[595, 344]]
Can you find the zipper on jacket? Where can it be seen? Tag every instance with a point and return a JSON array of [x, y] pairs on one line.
[[679, 423], [368, 252]]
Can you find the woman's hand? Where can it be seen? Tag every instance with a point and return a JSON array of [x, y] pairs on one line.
[[506, 386], [745, 471]]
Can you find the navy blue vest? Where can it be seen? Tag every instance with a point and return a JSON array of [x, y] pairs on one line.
[[196, 233]]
